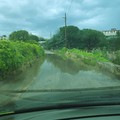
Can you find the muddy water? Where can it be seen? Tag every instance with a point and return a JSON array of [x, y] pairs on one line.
[[56, 73]]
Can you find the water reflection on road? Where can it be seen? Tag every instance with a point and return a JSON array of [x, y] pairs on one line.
[[52, 73], [57, 73]]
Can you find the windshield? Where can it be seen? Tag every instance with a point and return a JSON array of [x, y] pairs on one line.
[[58, 52]]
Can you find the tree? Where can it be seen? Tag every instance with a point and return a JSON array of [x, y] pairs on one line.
[[42, 39], [92, 39], [56, 42], [33, 37], [21, 35], [73, 36], [114, 44], [82, 39], [118, 33]]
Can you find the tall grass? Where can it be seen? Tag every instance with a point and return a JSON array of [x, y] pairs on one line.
[[87, 57]]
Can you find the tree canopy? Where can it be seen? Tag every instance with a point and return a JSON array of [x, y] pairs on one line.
[[23, 35], [73, 36], [33, 37], [83, 39], [92, 39]]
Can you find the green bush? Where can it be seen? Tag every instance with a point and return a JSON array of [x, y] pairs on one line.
[[90, 58], [14, 54], [117, 57]]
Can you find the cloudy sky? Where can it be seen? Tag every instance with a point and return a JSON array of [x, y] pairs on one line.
[[44, 17]]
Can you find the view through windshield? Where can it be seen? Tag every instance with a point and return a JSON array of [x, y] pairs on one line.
[[50, 47]]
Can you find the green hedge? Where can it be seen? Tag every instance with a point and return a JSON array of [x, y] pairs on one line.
[[15, 54]]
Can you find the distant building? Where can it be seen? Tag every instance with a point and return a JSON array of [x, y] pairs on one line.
[[110, 33]]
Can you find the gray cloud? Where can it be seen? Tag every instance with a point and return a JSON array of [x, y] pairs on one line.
[[45, 17]]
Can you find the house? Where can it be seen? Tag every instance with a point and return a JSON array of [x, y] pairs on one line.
[[110, 33]]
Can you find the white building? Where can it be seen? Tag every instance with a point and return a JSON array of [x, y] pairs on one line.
[[109, 33]]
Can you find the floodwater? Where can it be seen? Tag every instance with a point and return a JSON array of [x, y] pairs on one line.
[[55, 72], [59, 73]]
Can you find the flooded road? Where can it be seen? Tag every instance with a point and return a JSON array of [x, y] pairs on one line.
[[56, 73]]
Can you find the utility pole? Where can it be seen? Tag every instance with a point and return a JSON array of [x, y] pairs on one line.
[[65, 30]]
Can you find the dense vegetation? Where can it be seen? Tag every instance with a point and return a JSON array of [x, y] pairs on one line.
[[90, 58], [86, 40], [116, 59], [23, 35], [89, 46], [15, 54]]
